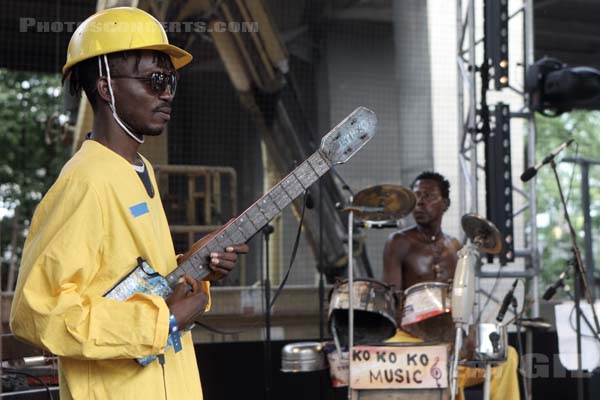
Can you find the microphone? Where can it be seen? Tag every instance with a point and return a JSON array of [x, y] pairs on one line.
[[506, 302], [532, 171], [551, 291], [495, 339]]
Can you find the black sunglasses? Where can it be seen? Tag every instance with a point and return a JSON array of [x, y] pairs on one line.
[[159, 81]]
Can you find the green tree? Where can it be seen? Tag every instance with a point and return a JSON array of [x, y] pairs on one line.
[[553, 234], [29, 164]]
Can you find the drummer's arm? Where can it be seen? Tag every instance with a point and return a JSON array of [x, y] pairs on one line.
[[457, 245], [394, 252]]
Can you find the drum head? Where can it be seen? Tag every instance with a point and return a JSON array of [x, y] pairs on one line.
[[435, 329], [426, 312], [374, 305]]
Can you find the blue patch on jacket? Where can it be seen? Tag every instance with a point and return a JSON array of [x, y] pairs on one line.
[[139, 209]]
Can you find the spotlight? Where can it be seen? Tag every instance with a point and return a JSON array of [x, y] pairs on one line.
[[555, 88]]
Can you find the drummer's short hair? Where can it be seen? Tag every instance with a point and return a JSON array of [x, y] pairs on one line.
[[443, 183]]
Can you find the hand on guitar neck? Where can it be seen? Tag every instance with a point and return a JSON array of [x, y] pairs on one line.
[[188, 301], [221, 263]]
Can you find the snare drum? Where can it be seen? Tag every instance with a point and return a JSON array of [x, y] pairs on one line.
[[374, 305], [426, 312]]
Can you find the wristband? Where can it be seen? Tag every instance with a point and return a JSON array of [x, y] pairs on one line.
[[174, 333]]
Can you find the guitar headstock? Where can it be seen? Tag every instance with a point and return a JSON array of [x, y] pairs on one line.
[[349, 136]]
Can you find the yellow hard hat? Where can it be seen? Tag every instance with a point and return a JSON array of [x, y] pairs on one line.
[[120, 29]]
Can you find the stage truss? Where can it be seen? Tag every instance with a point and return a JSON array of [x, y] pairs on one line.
[[470, 41]]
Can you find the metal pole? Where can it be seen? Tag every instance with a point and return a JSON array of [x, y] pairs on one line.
[[1, 316], [267, 230], [488, 378], [528, 50], [531, 139], [577, 285], [350, 293], [585, 164], [454, 366], [587, 225], [472, 106], [462, 194]]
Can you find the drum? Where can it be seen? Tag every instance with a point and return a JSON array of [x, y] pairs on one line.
[[426, 312], [486, 343], [302, 357], [338, 364], [374, 305], [491, 342]]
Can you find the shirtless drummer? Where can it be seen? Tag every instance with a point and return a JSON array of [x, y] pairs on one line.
[[425, 253]]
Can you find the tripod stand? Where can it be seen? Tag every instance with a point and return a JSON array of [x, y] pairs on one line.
[[580, 276]]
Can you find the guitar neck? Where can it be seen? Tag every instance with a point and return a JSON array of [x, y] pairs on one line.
[[252, 220]]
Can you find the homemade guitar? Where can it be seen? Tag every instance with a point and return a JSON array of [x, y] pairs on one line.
[[337, 146]]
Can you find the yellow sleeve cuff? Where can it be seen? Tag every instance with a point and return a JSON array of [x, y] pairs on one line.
[[206, 289]]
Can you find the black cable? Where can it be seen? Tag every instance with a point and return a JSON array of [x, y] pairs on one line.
[[572, 173], [279, 289], [489, 298], [588, 323], [293, 256], [17, 372], [222, 332], [161, 361], [345, 186]]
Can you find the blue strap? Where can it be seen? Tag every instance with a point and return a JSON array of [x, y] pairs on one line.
[[174, 333]]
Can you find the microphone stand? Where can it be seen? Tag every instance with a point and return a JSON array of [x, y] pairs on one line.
[[585, 318], [579, 276], [567, 290], [518, 321], [576, 283], [267, 230], [350, 295]]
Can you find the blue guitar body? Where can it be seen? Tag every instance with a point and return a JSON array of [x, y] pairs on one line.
[[143, 279]]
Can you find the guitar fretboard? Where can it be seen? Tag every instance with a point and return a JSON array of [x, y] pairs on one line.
[[241, 229]]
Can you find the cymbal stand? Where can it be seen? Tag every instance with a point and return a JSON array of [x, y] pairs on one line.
[[350, 296], [463, 301]]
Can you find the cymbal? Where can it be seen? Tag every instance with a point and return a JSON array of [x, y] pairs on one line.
[[536, 323], [482, 233], [383, 203]]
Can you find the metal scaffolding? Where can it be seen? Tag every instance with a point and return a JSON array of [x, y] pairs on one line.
[[469, 160], [469, 142]]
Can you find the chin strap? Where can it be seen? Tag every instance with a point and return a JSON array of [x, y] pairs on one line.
[[112, 101]]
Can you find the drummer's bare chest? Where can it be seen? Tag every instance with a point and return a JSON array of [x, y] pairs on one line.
[[429, 261]]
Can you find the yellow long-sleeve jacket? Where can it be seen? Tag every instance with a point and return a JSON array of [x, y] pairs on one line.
[[86, 234]]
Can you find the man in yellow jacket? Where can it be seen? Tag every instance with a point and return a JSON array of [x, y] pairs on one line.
[[101, 214]]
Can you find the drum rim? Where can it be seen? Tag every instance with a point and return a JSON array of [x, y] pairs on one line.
[[356, 280], [420, 285], [344, 282]]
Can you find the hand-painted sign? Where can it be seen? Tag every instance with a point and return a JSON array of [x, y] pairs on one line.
[[399, 367]]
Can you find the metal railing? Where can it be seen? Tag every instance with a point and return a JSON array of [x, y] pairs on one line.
[[197, 199]]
